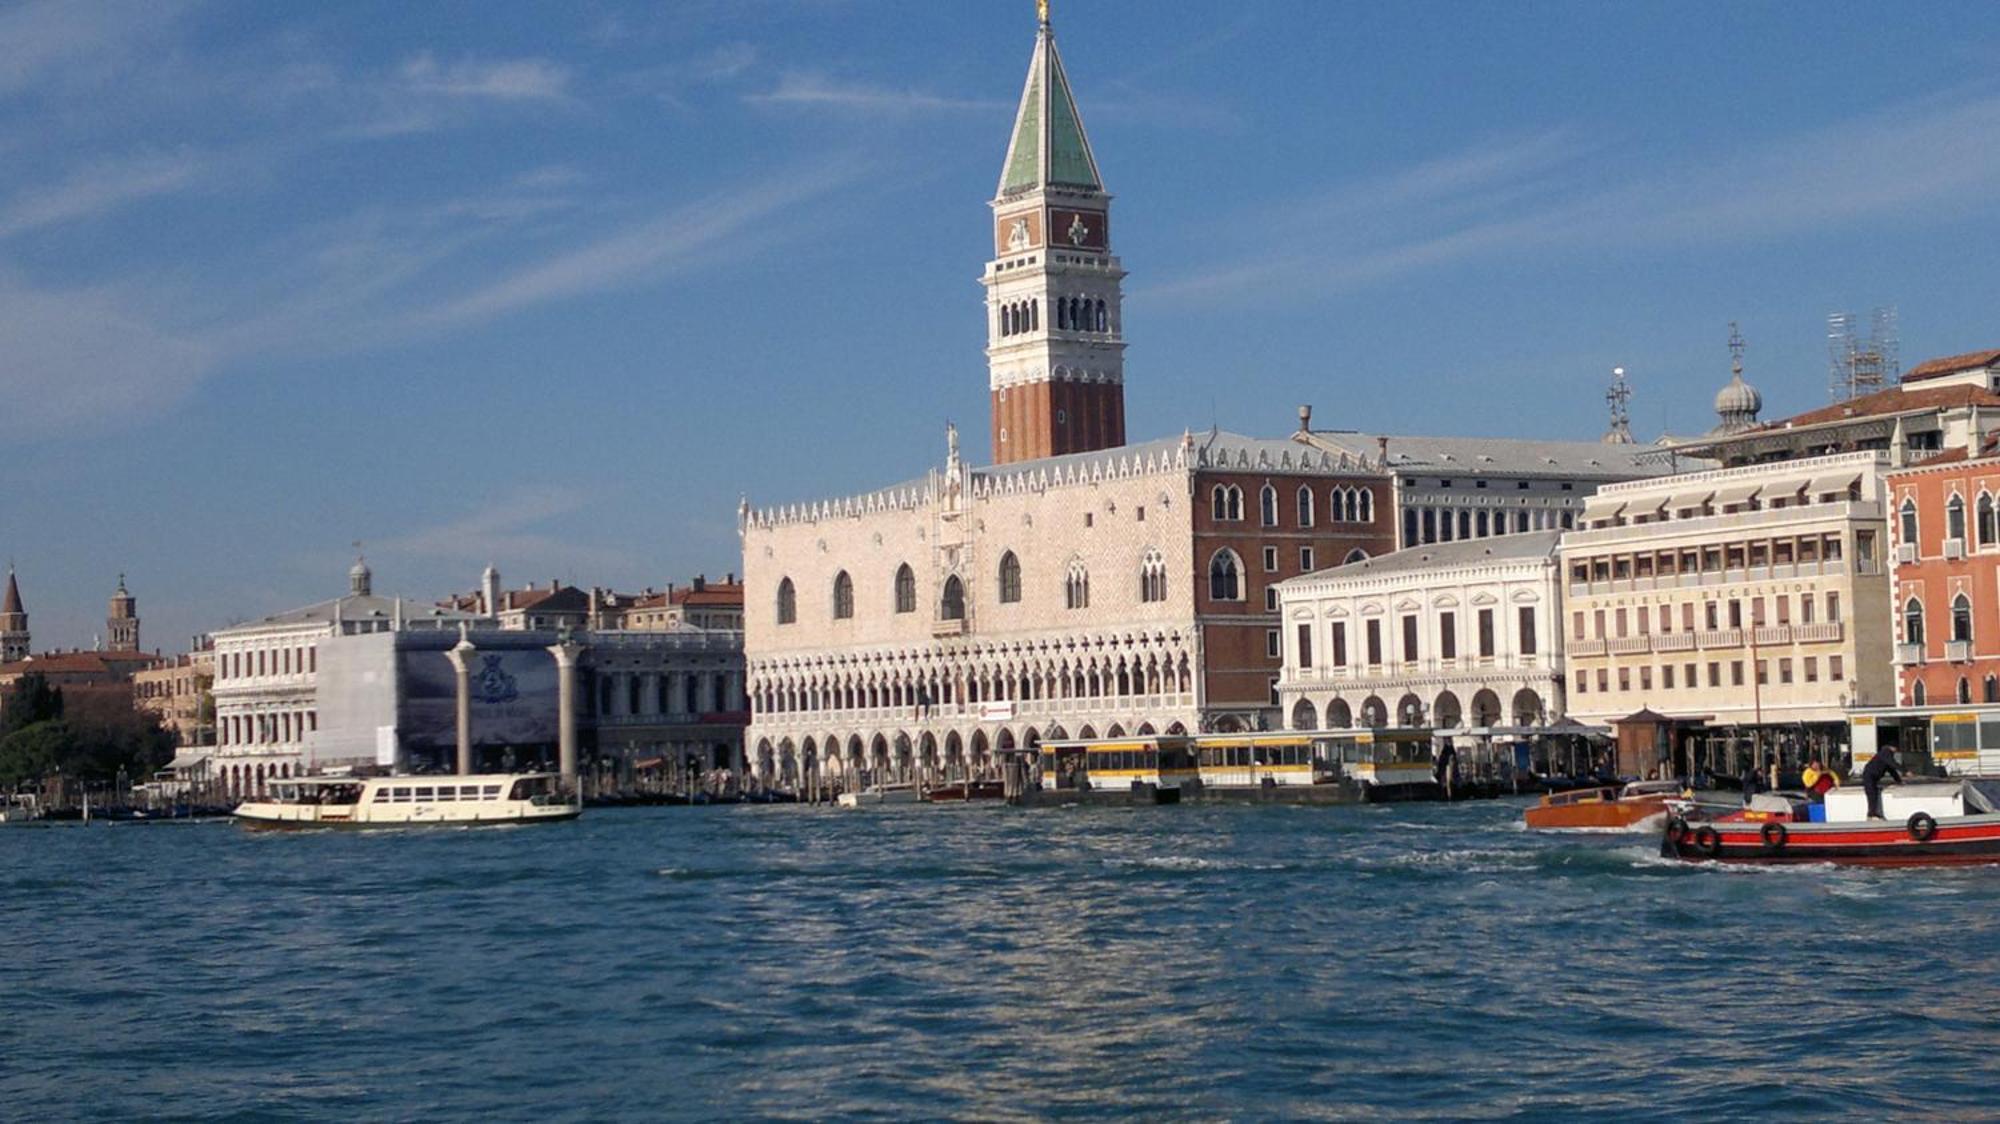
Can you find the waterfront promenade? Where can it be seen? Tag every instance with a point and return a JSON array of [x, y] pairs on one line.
[[1410, 961]]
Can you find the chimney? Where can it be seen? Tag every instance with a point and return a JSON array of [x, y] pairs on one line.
[[730, 579], [1305, 418], [1382, 448], [700, 582]]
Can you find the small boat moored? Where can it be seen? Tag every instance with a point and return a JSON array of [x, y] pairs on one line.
[[1924, 824], [299, 803], [880, 794]]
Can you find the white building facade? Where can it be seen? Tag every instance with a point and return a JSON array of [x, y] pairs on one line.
[[1460, 637]]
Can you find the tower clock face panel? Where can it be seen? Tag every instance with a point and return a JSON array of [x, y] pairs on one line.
[[1017, 232], [1079, 230]]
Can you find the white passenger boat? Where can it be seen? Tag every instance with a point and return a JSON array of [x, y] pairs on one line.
[[882, 794], [19, 808], [447, 801]]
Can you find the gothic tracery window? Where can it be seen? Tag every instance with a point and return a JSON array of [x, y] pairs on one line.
[[906, 589], [1225, 577]]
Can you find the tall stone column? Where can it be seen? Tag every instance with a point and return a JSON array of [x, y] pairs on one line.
[[567, 653], [460, 655]]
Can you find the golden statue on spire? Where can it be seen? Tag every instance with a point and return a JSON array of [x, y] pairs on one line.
[[1042, 11]]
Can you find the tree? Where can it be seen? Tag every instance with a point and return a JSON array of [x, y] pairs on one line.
[[33, 752], [30, 700]]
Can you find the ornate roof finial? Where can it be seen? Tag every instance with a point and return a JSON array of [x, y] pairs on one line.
[[1042, 12], [1735, 350]]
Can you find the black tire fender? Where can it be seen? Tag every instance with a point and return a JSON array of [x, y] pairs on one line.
[[1922, 826], [1775, 835], [1707, 840], [1677, 829]]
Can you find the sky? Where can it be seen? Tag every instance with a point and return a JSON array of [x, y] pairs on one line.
[[554, 286]]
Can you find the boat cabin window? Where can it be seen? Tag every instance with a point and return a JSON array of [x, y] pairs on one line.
[[492, 792], [402, 795], [528, 788], [426, 793], [382, 796]]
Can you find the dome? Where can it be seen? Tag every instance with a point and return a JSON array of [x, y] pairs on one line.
[[1738, 397], [360, 579], [1736, 406]]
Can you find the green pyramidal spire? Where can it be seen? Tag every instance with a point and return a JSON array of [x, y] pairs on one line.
[[1049, 147]]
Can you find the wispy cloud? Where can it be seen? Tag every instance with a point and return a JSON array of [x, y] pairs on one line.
[[809, 90], [503, 80], [513, 529], [1552, 194], [80, 356], [97, 188], [672, 241], [45, 38]]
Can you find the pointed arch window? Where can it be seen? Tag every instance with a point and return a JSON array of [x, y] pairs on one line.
[[1992, 688], [1062, 316], [1076, 586], [951, 606], [1227, 503], [906, 589], [1305, 506], [1961, 618], [1954, 517], [1267, 506], [1010, 578], [788, 602], [1964, 690], [1913, 622], [1225, 576], [1153, 577], [1987, 526], [1917, 693], [1907, 517], [1364, 506], [1103, 319]]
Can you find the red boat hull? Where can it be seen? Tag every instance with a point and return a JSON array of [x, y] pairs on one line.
[[1921, 841]]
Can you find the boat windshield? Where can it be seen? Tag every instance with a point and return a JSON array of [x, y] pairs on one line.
[[527, 788]]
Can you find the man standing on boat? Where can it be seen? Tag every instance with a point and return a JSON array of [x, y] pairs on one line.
[[1884, 762]]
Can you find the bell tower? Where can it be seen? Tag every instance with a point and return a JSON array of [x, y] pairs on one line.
[[121, 624], [1055, 348], [15, 643]]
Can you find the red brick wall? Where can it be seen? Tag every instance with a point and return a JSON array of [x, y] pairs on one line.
[[1046, 419], [1236, 670]]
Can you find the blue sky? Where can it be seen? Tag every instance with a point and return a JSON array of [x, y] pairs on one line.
[[553, 285]]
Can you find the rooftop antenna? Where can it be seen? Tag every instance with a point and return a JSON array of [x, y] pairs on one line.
[[1857, 366], [1619, 399]]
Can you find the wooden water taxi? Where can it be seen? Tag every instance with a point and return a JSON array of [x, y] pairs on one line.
[[445, 801], [1639, 806], [1924, 824], [880, 794]]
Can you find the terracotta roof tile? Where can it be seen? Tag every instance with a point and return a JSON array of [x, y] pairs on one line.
[[1894, 400], [1950, 364]]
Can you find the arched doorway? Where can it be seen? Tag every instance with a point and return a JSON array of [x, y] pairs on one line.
[[954, 756], [1304, 717], [1339, 716], [1446, 712], [981, 753], [1486, 709], [1409, 711], [1528, 710], [1374, 712]]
